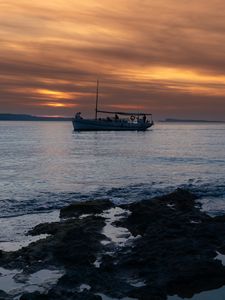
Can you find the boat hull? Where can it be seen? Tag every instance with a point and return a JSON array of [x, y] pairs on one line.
[[104, 125]]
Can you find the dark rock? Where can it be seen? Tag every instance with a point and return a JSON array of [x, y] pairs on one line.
[[75, 242], [34, 296], [174, 254], [182, 199], [4, 296], [174, 250], [89, 207], [147, 293], [45, 228], [219, 219], [61, 296]]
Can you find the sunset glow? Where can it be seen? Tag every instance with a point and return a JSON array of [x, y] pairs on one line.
[[54, 94], [165, 57], [59, 105], [55, 104]]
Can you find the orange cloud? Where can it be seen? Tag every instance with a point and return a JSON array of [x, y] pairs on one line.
[[127, 106]]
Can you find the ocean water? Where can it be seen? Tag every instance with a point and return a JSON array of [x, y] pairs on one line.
[[45, 165]]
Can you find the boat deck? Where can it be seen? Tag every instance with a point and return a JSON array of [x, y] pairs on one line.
[[106, 125]]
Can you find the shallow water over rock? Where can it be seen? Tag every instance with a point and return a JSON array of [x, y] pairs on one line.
[[115, 234], [15, 282], [217, 294], [14, 236], [150, 251]]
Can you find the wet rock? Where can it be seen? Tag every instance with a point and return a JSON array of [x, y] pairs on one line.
[[219, 219], [75, 242], [45, 228], [4, 296], [146, 293], [89, 207], [167, 211], [62, 296], [34, 296], [182, 199], [198, 277], [173, 253]]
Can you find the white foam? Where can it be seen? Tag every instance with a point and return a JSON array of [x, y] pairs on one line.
[[220, 257], [84, 287], [98, 262], [84, 216], [137, 283]]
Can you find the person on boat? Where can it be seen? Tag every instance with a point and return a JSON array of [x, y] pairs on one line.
[[132, 118], [78, 116], [116, 117], [144, 118]]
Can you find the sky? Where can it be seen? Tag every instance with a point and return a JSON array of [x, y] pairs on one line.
[[166, 57]]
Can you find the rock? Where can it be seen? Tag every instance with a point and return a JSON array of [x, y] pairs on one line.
[[34, 296], [182, 199], [45, 228], [62, 296], [89, 207], [173, 253], [219, 219], [4, 296]]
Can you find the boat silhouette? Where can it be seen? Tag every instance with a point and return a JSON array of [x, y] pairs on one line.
[[130, 121]]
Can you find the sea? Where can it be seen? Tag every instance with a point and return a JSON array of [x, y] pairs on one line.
[[45, 166]]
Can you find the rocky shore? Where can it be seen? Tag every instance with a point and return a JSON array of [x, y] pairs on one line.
[[144, 250]]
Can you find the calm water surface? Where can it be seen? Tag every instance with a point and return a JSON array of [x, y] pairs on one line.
[[44, 165]]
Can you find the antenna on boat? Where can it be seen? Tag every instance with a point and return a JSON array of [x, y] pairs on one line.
[[96, 105]]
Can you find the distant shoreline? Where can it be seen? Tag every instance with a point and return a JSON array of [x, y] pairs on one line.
[[21, 117], [189, 121], [24, 117]]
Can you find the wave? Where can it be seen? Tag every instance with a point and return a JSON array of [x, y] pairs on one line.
[[48, 201]]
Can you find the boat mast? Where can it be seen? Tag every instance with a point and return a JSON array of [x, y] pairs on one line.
[[96, 105]]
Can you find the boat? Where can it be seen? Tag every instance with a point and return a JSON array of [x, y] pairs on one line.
[[129, 121]]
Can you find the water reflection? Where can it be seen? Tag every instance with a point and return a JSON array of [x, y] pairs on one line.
[[38, 158]]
